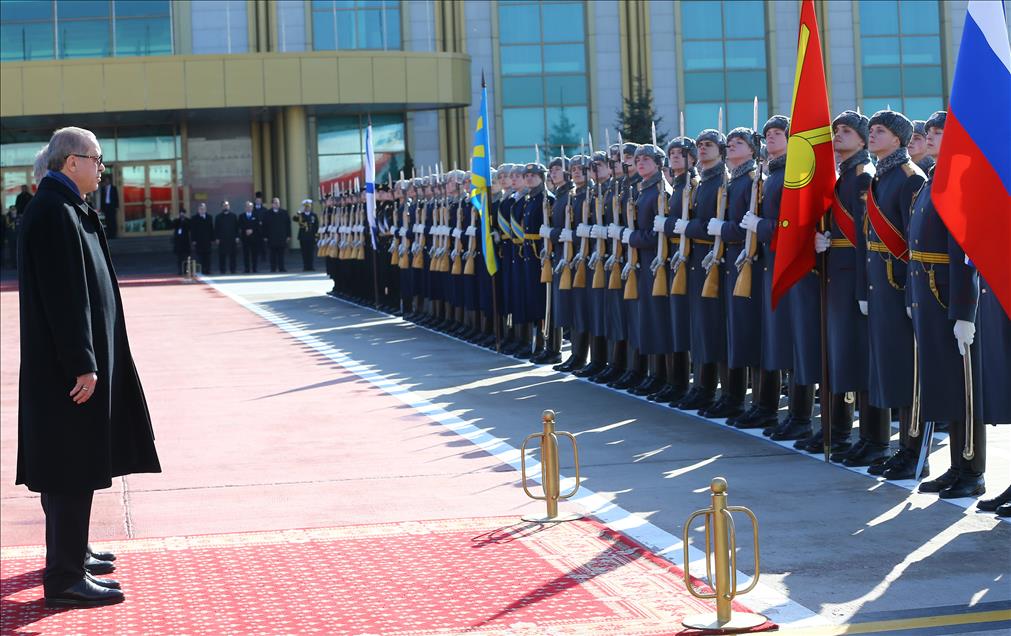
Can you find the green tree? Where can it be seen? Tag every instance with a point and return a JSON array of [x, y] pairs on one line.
[[636, 118], [563, 133]]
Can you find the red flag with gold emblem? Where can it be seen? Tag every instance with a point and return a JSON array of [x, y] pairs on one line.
[[810, 161]]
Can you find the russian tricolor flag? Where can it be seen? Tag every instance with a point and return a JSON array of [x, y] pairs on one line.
[[972, 179]]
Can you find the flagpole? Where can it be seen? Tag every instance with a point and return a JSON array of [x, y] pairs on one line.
[[824, 388]]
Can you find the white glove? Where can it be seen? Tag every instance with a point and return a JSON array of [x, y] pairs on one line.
[[965, 333], [680, 226], [359, 228], [457, 232], [625, 235], [545, 232], [419, 228], [909, 313], [583, 230], [714, 227], [566, 236], [658, 223], [598, 232], [495, 236], [613, 231], [749, 222], [822, 241], [471, 230], [863, 306], [402, 231]]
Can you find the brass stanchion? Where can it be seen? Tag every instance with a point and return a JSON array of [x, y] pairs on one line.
[[550, 476], [723, 546]]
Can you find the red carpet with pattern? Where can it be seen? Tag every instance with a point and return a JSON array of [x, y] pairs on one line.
[[419, 578]]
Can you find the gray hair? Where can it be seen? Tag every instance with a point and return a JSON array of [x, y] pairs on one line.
[[41, 163], [68, 141]]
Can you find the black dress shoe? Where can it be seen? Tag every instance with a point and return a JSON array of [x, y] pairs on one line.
[[967, 485], [101, 555], [524, 354], [626, 381], [696, 399], [569, 365], [109, 583], [898, 458], [589, 370], [85, 593], [609, 374], [94, 566], [547, 357], [949, 477], [991, 505], [907, 469], [664, 394], [865, 453], [756, 418], [723, 408], [650, 384], [794, 428], [1004, 511]]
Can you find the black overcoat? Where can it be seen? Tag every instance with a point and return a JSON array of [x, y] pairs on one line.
[[72, 323], [277, 228]]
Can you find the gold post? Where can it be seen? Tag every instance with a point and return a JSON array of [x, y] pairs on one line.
[[721, 547], [550, 475]]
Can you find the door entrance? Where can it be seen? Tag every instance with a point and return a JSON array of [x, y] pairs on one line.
[[13, 179], [148, 197]]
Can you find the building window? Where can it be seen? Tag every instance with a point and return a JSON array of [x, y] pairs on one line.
[[724, 58], [355, 24], [221, 26], [900, 57], [47, 29], [544, 96], [340, 146]]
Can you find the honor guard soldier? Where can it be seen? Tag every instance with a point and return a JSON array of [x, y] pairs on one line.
[[995, 343], [503, 217], [249, 236], [490, 292], [521, 334], [470, 291], [556, 231], [596, 274], [202, 235], [682, 156], [848, 346], [744, 336], [627, 191], [530, 289], [942, 293], [308, 225], [579, 217], [886, 251], [918, 146], [652, 310], [404, 248], [777, 341], [708, 316], [615, 311]]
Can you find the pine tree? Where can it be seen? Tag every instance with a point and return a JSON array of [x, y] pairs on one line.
[[563, 133], [638, 115]]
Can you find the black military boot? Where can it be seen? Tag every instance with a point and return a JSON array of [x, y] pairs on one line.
[[703, 390], [654, 379], [511, 342], [598, 358], [523, 352], [577, 355], [970, 471], [731, 402], [666, 391], [842, 428], [633, 371], [615, 366], [967, 485], [678, 374], [991, 505], [551, 353], [765, 410], [946, 480], [797, 424], [871, 448]]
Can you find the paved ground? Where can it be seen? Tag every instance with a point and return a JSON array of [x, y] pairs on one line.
[[278, 407]]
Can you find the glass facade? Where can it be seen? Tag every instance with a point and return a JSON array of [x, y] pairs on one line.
[[544, 85], [900, 56], [724, 59], [47, 29], [340, 147], [219, 26], [355, 24]]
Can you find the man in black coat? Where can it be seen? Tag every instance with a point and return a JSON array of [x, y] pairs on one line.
[[83, 418], [276, 232], [202, 236], [108, 203], [22, 200], [226, 233], [181, 239], [260, 212], [249, 234], [308, 225]]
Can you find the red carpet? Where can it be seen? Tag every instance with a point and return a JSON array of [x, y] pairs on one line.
[[468, 576]]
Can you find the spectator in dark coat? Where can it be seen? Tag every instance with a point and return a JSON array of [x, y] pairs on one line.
[[276, 232], [181, 240], [226, 235], [202, 237]]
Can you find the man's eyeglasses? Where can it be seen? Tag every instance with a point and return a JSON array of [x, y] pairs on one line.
[[96, 158]]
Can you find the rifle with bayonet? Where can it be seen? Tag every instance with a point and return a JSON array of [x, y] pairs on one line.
[[615, 262], [579, 262], [679, 285], [659, 265], [600, 250], [629, 273], [457, 255], [742, 288]]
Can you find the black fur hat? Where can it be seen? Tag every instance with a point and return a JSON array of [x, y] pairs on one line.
[[684, 142], [896, 122], [854, 120]]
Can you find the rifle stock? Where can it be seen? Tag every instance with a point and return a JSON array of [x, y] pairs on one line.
[[742, 288], [711, 287], [579, 278], [614, 282], [468, 267], [547, 272], [660, 287], [565, 277], [632, 282], [457, 268], [418, 262], [599, 280]]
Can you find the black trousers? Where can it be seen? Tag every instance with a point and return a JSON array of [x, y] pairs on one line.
[[226, 253], [68, 516], [308, 247], [181, 262], [204, 258], [250, 255], [277, 259]]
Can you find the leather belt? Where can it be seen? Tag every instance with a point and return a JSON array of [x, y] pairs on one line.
[[936, 258], [842, 242], [702, 241], [878, 246]]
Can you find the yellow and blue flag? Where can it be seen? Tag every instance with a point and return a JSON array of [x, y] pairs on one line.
[[480, 180]]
